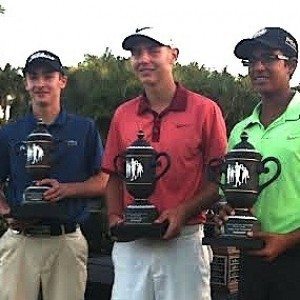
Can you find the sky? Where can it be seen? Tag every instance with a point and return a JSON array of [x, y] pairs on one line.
[[205, 31]]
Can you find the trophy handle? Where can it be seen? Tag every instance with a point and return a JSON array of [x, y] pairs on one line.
[[266, 170], [116, 159], [213, 167], [164, 154], [20, 148]]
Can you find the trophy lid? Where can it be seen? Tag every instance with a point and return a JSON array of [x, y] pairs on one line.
[[244, 145], [140, 142], [40, 132]]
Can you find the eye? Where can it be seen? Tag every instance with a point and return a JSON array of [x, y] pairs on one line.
[[49, 76], [32, 76], [268, 58], [154, 49], [135, 52]]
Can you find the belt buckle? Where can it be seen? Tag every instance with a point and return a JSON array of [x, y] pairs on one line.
[[40, 230]]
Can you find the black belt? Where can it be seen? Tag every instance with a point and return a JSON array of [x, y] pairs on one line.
[[49, 230]]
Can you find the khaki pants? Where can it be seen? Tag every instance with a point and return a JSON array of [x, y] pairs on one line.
[[57, 263]]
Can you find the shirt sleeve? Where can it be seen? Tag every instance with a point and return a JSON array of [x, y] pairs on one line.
[[95, 149], [112, 146], [4, 156], [214, 134]]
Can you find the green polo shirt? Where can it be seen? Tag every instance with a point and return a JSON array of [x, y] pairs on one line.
[[278, 205]]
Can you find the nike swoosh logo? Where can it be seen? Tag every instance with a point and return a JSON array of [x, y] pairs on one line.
[[182, 125]]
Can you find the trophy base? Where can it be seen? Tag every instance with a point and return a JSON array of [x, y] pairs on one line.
[[139, 223], [39, 210], [232, 233], [34, 194], [33, 206], [140, 214], [126, 232], [231, 241]]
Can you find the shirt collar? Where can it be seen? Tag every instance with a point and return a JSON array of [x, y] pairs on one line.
[[291, 113], [178, 103], [293, 110], [59, 121], [254, 117]]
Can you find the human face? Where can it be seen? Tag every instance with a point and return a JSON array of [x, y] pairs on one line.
[[153, 63], [45, 86], [270, 71]]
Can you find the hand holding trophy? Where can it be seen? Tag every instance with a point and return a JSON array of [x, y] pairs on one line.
[[39, 148], [241, 169], [140, 161]]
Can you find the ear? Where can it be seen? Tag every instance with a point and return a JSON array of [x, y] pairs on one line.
[[25, 84], [292, 65], [174, 53], [63, 81]]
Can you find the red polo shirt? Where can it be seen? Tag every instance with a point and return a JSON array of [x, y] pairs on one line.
[[191, 130]]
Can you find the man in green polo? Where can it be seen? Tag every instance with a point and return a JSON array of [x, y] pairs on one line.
[[273, 272]]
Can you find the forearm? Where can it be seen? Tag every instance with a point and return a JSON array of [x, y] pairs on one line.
[[293, 238], [4, 208], [114, 196], [203, 200], [92, 187]]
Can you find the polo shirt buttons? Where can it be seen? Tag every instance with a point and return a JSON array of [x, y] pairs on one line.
[[156, 130]]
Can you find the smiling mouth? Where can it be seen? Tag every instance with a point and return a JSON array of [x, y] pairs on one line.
[[261, 79], [40, 93], [145, 70]]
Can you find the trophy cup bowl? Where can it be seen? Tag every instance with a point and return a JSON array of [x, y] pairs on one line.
[[140, 161], [241, 168], [38, 149]]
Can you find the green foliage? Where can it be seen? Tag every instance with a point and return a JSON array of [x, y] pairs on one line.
[[2, 9], [98, 85], [101, 83], [12, 90]]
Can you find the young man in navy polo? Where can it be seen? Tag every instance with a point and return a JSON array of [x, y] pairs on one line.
[[48, 253]]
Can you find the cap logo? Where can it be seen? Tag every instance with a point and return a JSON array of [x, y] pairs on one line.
[[291, 43], [141, 29], [40, 55], [260, 33]]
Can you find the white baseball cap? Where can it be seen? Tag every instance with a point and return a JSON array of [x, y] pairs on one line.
[[148, 33]]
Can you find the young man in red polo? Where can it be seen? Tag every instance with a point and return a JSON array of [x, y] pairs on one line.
[[191, 130]]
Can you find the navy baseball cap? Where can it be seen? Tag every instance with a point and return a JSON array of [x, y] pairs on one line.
[[271, 37], [43, 57]]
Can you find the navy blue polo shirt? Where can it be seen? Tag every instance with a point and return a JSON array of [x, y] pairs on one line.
[[77, 156]]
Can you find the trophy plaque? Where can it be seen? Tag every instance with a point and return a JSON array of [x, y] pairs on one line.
[[241, 168], [38, 149], [140, 162]]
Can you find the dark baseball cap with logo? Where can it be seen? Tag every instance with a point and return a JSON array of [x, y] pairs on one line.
[[43, 58], [274, 38]]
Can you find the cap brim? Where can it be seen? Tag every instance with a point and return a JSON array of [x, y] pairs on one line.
[[244, 48], [135, 39], [51, 65]]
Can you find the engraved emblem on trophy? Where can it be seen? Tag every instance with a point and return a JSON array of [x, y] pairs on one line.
[[38, 149], [140, 162], [240, 170]]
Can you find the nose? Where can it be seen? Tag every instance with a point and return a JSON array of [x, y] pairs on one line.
[[257, 65], [144, 56], [40, 81]]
